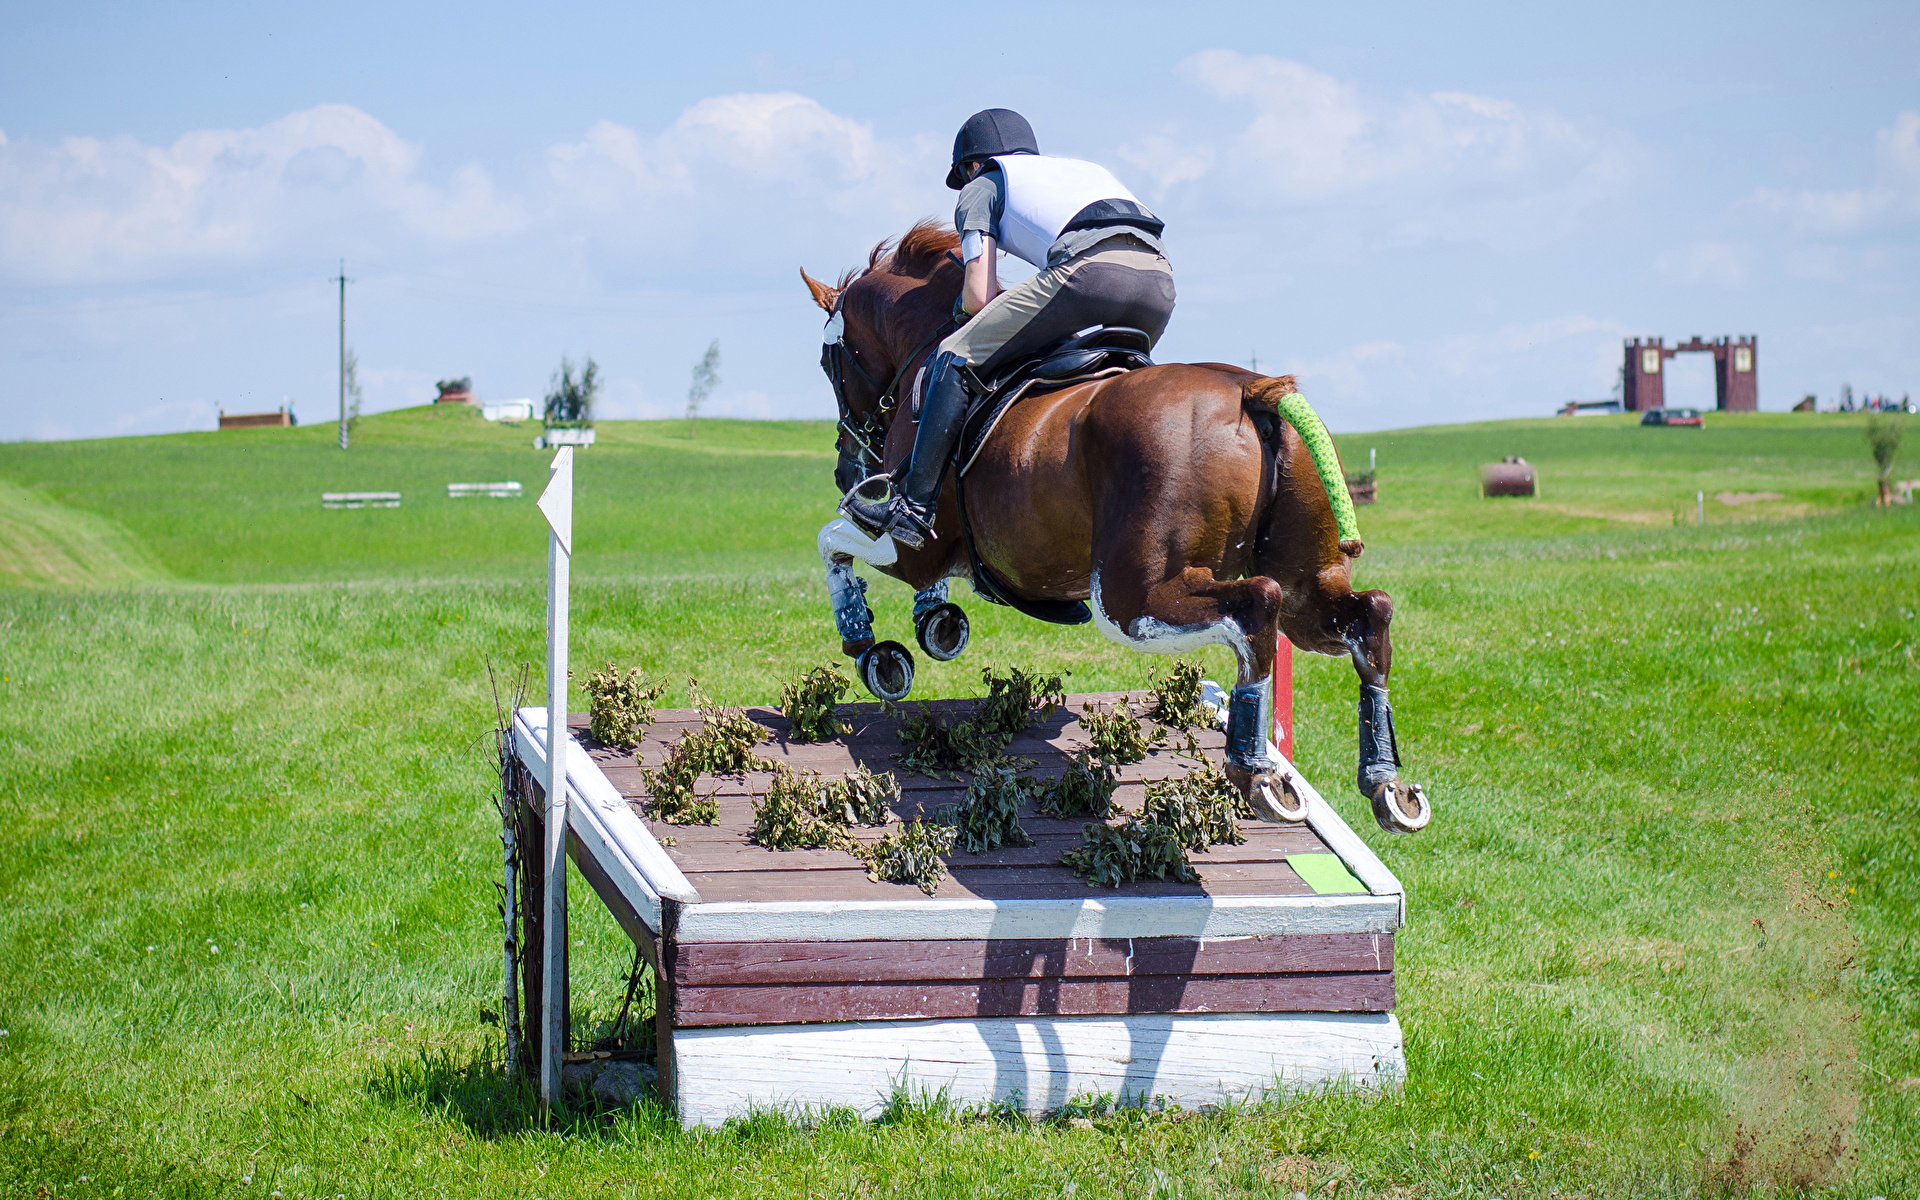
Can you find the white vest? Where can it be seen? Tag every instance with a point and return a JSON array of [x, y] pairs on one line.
[[1043, 194]]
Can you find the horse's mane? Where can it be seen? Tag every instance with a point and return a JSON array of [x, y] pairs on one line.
[[919, 252]]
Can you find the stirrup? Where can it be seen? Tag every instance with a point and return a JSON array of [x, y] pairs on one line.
[[871, 512]]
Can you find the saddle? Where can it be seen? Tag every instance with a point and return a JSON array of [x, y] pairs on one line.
[[1091, 354], [1096, 353]]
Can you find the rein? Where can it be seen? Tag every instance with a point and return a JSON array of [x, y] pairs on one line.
[[837, 354]]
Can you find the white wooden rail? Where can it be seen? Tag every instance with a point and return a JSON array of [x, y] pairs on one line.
[[359, 499], [1343, 841], [604, 819], [1038, 1063]]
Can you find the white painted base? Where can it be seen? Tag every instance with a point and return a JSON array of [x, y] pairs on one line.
[[1190, 1060]]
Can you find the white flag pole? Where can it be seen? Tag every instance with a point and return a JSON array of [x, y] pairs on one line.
[[556, 504]]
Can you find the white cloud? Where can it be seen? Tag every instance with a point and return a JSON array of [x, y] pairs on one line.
[[731, 181], [1894, 196], [1445, 166], [91, 210], [752, 173]]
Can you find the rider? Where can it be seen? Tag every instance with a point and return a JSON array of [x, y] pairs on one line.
[[1100, 261]]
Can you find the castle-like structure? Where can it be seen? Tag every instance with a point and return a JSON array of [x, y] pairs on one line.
[[1735, 385]]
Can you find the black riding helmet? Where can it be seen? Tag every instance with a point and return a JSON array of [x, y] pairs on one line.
[[988, 133]]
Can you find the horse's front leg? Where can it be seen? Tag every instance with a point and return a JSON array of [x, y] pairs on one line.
[[1399, 806], [1191, 610]]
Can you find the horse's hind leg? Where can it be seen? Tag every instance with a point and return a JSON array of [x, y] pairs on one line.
[[1323, 613], [1332, 621], [1191, 610]]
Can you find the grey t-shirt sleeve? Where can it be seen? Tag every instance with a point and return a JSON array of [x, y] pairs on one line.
[[980, 205]]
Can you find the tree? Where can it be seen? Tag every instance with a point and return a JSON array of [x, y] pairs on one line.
[[571, 400], [1883, 438], [706, 377]]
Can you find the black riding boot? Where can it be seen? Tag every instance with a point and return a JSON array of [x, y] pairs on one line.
[[907, 513]]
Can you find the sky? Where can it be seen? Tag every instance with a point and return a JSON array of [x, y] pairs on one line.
[[1427, 214]]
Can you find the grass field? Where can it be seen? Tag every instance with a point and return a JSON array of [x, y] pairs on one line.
[[1662, 932]]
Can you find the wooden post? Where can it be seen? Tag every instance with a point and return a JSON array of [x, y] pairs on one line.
[[1283, 697], [556, 504]]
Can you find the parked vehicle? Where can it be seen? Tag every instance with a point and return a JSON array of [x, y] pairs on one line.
[[1671, 416]]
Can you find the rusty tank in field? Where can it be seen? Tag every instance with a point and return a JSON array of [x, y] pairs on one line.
[[1511, 476]]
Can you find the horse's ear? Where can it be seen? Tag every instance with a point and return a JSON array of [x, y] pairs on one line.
[[823, 295]]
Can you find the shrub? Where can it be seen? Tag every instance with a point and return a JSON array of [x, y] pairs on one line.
[[1883, 440], [911, 854], [990, 816], [1012, 702], [862, 797], [809, 701], [670, 790], [802, 811], [620, 707], [1085, 788], [937, 748], [1175, 701], [1199, 807], [795, 813], [1116, 735], [1110, 855], [723, 745]]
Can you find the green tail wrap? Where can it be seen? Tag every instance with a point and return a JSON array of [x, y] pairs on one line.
[[1326, 460]]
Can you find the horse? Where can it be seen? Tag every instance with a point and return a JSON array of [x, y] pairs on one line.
[[1174, 499]]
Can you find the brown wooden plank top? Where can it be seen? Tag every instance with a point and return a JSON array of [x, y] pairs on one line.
[[724, 864], [743, 964], [1357, 991]]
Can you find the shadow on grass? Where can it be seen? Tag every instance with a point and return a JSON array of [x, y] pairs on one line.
[[495, 1103]]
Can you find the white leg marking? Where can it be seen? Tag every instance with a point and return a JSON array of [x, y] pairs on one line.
[[1150, 635], [841, 536]]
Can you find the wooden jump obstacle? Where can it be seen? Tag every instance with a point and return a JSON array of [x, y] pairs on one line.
[[790, 980]]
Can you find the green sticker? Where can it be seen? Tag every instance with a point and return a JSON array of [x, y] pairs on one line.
[[1325, 874]]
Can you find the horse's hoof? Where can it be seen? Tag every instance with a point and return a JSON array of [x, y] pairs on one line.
[[1270, 794], [1274, 798], [942, 631], [1401, 807], [887, 670]]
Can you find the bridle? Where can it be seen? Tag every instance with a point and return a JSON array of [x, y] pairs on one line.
[[868, 428]]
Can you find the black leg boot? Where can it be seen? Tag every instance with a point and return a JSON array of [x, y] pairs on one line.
[[908, 513]]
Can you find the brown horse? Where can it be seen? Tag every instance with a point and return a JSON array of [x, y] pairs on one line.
[[1172, 498]]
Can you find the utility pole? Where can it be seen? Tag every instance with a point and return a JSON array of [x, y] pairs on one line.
[[341, 279]]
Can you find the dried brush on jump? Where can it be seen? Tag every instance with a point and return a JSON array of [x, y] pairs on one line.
[[723, 745], [1199, 807], [910, 854], [1084, 789], [810, 701], [1110, 855], [620, 707]]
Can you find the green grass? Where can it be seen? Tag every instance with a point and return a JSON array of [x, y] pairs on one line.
[[1662, 933]]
